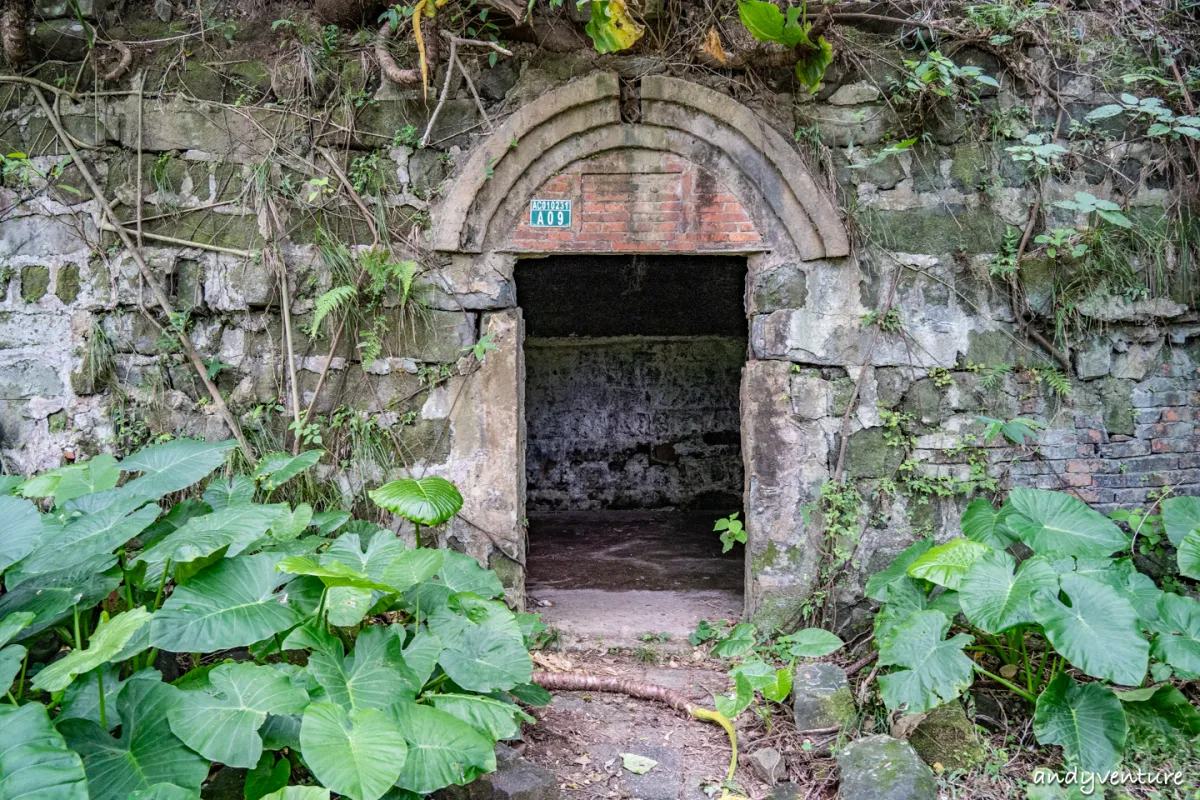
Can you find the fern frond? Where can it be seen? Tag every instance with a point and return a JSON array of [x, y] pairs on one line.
[[329, 302], [1059, 383]]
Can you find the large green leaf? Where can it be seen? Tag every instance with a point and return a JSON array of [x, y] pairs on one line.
[[231, 604], [811, 643], [147, 752], [812, 63], [22, 526], [222, 722], [611, 27], [739, 641], [373, 552], [877, 584], [495, 715], [173, 466], [424, 501], [946, 564], [1189, 556], [983, 523], [85, 541], [457, 573], [442, 749], [484, 650], [934, 669], [13, 656], [374, 675], [1086, 720], [99, 474], [269, 775], [163, 791], [299, 793], [1177, 640], [35, 763], [51, 597], [103, 646], [235, 528], [1099, 632], [1059, 523], [237, 491], [1181, 516], [330, 572], [421, 654], [1161, 710], [81, 700], [276, 469], [996, 594], [358, 753]]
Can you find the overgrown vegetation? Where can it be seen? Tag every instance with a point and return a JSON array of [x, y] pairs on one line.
[[206, 625]]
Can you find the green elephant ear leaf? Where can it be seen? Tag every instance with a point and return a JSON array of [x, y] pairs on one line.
[[877, 584], [497, 716], [330, 573], [811, 66], [811, 643], [81, 700], [1189, 555], [222, 723], [174, 466], [372, 553], [34, 759], [1177, 638], [1181, 516], [411, 567], [99, 474], [85, 543], [442, 749], [147, 752], [358, 753], [374, 675], [222, 494], [934, 670], [996, 594], [104, 645], [1086, 720], [423, 501], [484, 650], [231, 604], [983, 523], [276, 469], [269, 775], [1099, 632], [1054, 522], [51, 597], [946, 564], [235, 528], [22, 527], [422, 653], [1161, 710]]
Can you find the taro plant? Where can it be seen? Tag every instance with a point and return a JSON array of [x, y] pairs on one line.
[[1052, 607], [349, 664], [791, 28]]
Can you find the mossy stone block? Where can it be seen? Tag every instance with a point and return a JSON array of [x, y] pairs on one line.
[[868, 455], [35, 282], [948, 738], [969, 165], [883, 768], [938, 229], [821, 697], [67, 285]]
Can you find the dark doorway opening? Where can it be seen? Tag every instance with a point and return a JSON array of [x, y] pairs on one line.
[[633, 443]]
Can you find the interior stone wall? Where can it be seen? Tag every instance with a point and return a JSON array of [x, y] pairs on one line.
[[632, 423]]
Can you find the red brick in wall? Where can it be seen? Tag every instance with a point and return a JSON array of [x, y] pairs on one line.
[[677, 207]]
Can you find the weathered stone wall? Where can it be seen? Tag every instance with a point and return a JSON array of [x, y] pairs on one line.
[[633, 423], [702, 163]]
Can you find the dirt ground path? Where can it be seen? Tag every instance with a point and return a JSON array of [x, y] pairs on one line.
[[582, 737]]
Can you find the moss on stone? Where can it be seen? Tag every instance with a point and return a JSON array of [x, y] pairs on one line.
[[869, 456], [992, 347], [948, 738], [969, 165], [35, 282], [57, 421], [201, 81], [938, 229], [67, 285], [511, 574]]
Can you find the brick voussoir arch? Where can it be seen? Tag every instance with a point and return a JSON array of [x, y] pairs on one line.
[[583, 118]]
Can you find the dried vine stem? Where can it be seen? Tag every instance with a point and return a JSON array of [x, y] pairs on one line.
[[388, 65], [160, 297]]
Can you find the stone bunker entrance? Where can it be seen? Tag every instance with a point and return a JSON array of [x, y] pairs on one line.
[[642, 341], [632, 372]]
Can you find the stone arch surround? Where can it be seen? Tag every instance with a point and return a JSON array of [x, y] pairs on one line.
[[774, 212]]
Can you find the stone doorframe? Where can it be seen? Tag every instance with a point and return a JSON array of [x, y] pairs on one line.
[[798, 232]]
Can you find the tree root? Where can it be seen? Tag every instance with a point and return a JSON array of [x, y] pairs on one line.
[[388, 65], [577, 682], [122, 66]]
